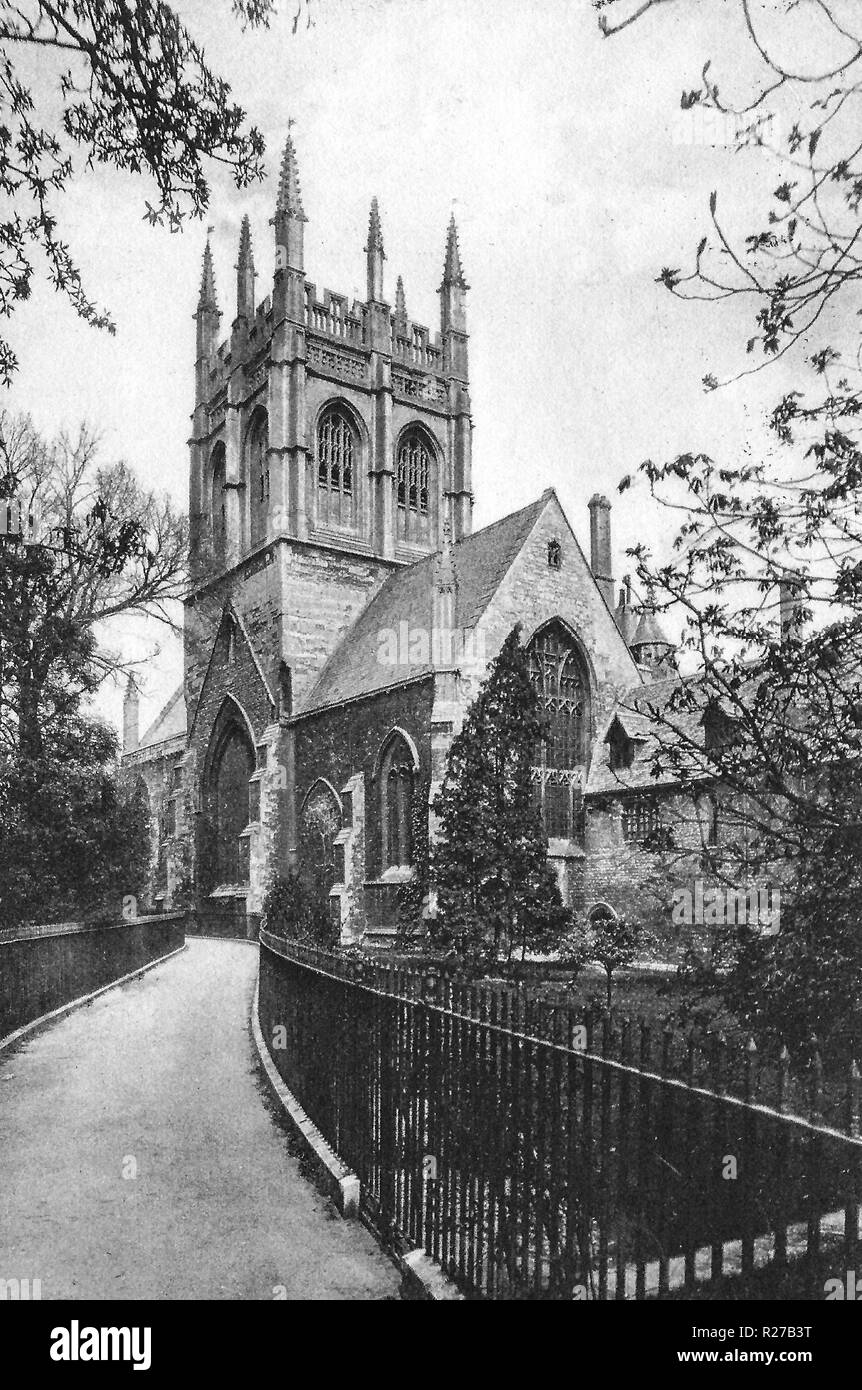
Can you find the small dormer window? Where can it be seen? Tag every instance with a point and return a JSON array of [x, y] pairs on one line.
[[719, 728], [622, 751], [621, 748], [555, 555]]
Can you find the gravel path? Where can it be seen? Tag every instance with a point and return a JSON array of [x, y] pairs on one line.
[[139, 1157]]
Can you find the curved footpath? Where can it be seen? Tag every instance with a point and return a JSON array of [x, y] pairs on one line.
[[139, 1155]]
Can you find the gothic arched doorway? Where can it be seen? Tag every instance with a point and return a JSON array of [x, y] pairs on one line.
[[230, 764]]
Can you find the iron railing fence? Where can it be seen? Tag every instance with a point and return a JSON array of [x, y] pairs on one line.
[[559, 1156], [44, 967]]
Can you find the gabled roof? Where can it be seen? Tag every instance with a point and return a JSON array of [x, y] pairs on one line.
[[481, 563], [230, 614], [169, 723]]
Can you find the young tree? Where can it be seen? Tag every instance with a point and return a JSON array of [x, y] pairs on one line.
[[612, 941], [497, 896], [135, 93]]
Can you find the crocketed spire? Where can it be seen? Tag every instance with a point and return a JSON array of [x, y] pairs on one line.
[[207, 298], [400, 302], [289, 193], [375, 232], [245, 272], [453, 273]]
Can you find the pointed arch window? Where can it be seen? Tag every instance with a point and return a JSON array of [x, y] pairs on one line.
[[337, 458], [228, 796], [322, 858], [397, 787], [218, 506], [414, 482], [559, 675], [258, 477]]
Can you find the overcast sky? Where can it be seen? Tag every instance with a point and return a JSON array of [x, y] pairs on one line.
[[573, 178]]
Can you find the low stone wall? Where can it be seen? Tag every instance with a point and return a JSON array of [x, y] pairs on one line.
[[44, 967]]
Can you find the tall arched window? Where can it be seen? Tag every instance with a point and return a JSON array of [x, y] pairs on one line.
[[218, 509], [257, 474], [414, 483], [337, 468], [397, 776], [558, 673], [321, 822], [231, 767]]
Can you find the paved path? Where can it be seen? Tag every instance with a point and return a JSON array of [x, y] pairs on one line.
[[159, 1077]]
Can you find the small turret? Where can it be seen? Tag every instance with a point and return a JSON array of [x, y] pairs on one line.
[[245, 274], [375, 255], [649, 646]]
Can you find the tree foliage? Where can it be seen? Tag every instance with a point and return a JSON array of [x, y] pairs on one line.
[[497, 896], [292, 910], [765, 568], [103, 548], [75, 835], [136, 94]]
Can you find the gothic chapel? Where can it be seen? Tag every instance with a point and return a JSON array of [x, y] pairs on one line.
[[330, 500]]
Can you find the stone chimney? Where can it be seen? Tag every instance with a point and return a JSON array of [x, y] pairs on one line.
[[131, 717], [791, 596], [625, 616], [600, 546]]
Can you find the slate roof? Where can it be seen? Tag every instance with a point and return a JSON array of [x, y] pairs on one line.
[[481, 563], [634, 714], [169, 723]]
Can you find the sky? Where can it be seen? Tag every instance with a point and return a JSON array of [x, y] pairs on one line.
[[574, 178]]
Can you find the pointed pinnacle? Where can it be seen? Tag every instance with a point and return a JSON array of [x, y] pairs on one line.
[[375, 233], [245, 254], [453, 273], [289, 194], [445, 576], [400, 301], [207, 298]]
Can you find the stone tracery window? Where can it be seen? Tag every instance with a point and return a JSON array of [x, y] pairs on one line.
[[560, 678], [337, 458], [414, 480], [397, 776]]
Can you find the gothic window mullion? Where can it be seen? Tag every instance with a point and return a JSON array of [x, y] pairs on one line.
[[561, 688]]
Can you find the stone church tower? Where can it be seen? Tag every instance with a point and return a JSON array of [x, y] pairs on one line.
[[340, 431], [330, 445]]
